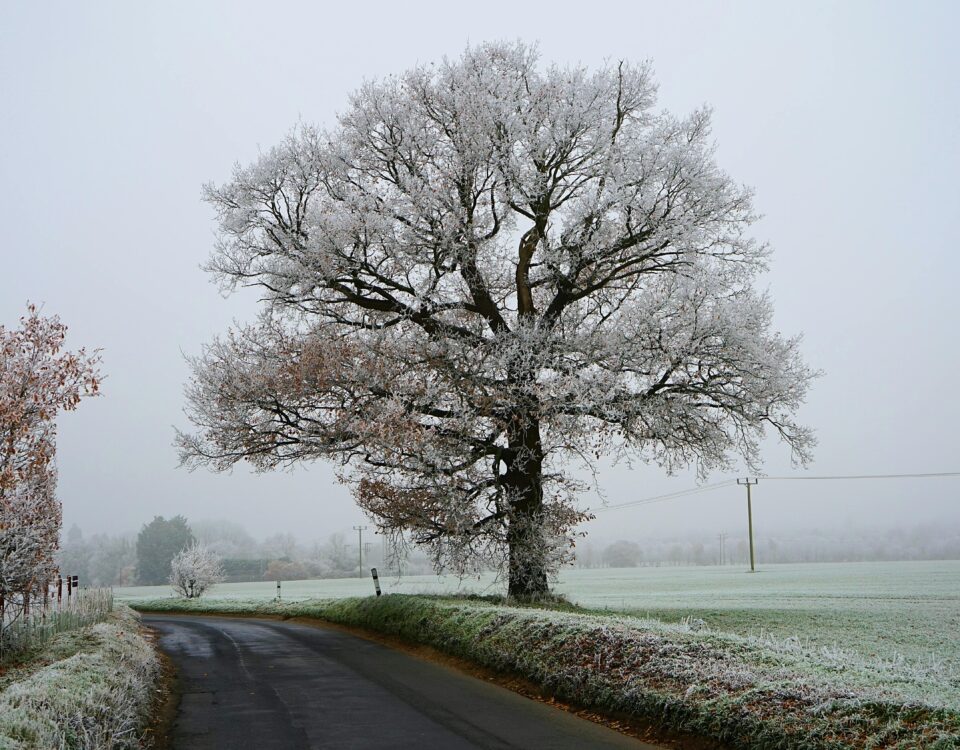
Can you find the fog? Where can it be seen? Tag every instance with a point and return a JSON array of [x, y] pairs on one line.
[[845, 117]]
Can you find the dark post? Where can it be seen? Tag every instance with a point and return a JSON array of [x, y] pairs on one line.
[[76, 584], [59, 590], [376, 581], [69, 586]]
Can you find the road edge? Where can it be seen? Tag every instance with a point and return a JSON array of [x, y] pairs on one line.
[[625, 724]]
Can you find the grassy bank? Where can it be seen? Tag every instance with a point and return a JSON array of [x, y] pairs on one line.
[[32, 634], [895, 612], [749, 692], [92, 688]]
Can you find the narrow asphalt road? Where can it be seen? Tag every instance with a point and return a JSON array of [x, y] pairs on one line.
[[265, 684]]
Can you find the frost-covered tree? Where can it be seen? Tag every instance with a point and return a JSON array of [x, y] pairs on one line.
[[194, 570], [38, 379], [335, 558], [279, 547], [30, 518], [228, 539], [485, 270]]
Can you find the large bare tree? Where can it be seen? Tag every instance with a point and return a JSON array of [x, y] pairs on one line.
[[488, 270]]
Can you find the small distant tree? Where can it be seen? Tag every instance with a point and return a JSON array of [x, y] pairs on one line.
[[676, 554], [622, 554], [283, 570], [336, 559], [157, 544], [111, 557], [75, 553], [194, 570]]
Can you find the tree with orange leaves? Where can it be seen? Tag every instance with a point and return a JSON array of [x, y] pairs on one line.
[[38, 379]]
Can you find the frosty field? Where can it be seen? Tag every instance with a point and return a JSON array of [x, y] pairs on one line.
[[892, 611], [896, 610]]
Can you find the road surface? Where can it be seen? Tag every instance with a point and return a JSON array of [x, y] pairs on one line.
[[265, 684]]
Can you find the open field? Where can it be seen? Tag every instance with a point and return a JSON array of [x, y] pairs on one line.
[[900, 610], [901, 614]]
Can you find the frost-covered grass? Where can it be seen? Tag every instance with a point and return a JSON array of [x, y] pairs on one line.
[[893, 612], [32, 632], [97, 696], [899, 611], [747, 691]]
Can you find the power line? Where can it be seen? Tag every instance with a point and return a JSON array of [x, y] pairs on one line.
[[668, 496], [729, 482], [873, 476]]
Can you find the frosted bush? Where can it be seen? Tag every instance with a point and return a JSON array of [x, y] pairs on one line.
[[194, 570]]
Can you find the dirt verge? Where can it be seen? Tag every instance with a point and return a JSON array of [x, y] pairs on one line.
[[163, 711]]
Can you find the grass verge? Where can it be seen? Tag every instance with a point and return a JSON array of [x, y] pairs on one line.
[[97, 697], [737, 691]]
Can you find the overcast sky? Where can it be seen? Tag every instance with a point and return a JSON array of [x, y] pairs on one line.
[[844, 116]]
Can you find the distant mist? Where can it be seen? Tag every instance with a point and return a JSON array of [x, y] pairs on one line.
[[105, 559]]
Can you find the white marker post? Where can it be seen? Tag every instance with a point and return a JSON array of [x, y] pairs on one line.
[[278, 590], [376, 580]]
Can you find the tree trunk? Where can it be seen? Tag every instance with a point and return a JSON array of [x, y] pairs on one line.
[[528, 568], [528, 553], [527, 549]]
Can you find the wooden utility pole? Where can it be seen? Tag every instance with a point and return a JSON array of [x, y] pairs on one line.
[[748, 482], [360, 530]]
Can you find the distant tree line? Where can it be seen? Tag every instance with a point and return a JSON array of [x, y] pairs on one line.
[[919, 542], [125, 560], [100, 559], [145, 559]]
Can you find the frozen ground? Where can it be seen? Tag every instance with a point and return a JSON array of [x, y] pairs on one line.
[[885, 610], [894, 611]]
